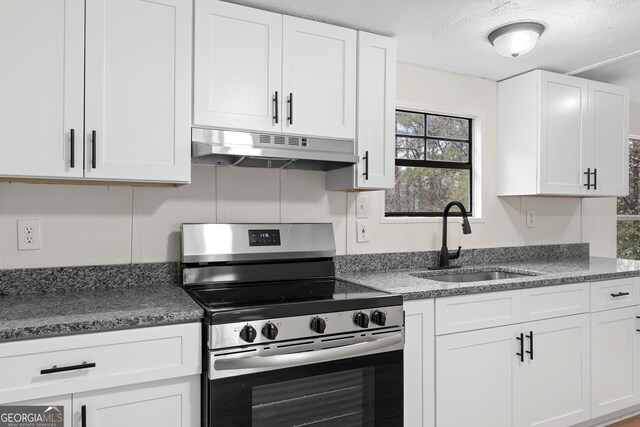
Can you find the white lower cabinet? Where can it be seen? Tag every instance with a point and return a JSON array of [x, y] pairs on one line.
[[168, 403], [419, 381], [475, 378], [482, 379], [126, 378], [553, 383], [615, 354]]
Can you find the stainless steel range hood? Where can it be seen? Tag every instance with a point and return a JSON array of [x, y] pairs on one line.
[[233, 148]]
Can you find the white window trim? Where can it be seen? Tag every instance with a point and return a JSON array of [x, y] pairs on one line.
[[478, 120]]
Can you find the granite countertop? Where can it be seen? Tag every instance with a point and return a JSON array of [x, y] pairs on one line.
[[547, 273], [94, 308]]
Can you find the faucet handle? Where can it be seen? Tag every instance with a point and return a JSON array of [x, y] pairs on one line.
[[456, 255]]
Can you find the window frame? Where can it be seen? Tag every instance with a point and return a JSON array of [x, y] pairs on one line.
[[435, 164], [626, 217]]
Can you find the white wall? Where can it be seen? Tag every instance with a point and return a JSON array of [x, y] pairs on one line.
[[634, 120], [83, 225]]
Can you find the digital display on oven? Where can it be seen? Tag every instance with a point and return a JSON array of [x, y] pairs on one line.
[[264, 237]]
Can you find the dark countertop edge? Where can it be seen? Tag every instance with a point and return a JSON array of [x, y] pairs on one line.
[[117, 323]]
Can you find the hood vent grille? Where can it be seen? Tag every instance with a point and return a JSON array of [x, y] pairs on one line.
[[231, 148]]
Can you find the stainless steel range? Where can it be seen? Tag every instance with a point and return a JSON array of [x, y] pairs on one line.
[[288, 344]]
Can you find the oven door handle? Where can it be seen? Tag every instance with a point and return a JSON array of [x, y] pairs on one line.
[[282, 361]]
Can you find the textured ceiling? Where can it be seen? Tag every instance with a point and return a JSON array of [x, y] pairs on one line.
[[624, 72], [452, 34]]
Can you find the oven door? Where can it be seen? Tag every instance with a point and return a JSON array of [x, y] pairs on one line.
[[357, 385]]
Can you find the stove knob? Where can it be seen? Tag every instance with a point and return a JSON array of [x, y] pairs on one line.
[[379, 318], [270, 331], [318, 325], [248, 333], [361, 319]]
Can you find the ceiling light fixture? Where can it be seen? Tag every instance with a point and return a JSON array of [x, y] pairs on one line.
[[516, 39]]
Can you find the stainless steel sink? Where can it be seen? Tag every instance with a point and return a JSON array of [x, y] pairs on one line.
[[476, 276]]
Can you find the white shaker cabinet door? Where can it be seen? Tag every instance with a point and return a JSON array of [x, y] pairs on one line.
[[237, 67], [419, 359], [41, 89], [138, 85], [563, 134], [376, 110], [615, 358], [475, 376], [609, 139], [167, 403], [553, 381], [318, 79]]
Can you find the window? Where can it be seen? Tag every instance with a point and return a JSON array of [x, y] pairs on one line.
[[433, 165], [629, 208]]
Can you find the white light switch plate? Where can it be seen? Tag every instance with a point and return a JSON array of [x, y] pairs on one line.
[[362, 206]]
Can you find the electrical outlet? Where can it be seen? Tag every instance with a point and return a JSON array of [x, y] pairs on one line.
[[531, 218], [29, 234], [363, 231], [362, 206]]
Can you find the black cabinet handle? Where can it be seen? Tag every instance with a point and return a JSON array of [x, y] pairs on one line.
[[290, 103], [83, 415], [275, 108], [595, 179], [530, 351], [588, 173], [620, 294], [72, 148], [366, 165], [93, 149], [521, 354], [83, 365]]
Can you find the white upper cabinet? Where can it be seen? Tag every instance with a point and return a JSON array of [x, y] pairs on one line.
[[265, 72], [318, 78], [237, 67], [562, 135], [375, 131], [608, 125], [138, 85], [41, 101], [120, 113]]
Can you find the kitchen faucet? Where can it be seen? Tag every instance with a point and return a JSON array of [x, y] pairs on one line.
[[445, 255]]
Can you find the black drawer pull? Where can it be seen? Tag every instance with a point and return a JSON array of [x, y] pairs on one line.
[[290, 102], [55, 369], [366, 165], [72, 148], [83, 415], [530, 351], [275, 108], [620, 294], [93, 149], [588, 173], [521, 354]]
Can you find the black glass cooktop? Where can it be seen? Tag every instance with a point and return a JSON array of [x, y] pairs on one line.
[[234, 303]]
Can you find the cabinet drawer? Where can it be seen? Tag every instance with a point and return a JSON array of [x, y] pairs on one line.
[[59, 365], [554, 301], [617, 293], [468, 312]]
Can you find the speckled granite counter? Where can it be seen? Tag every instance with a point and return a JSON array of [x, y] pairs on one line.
[[547, 273], [90, 304]]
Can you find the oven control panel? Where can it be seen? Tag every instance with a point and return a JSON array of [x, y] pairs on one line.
[[264, 237], [307, 326]]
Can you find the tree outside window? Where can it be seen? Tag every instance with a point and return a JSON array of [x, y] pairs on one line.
[[433, 164], [629, 208]]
